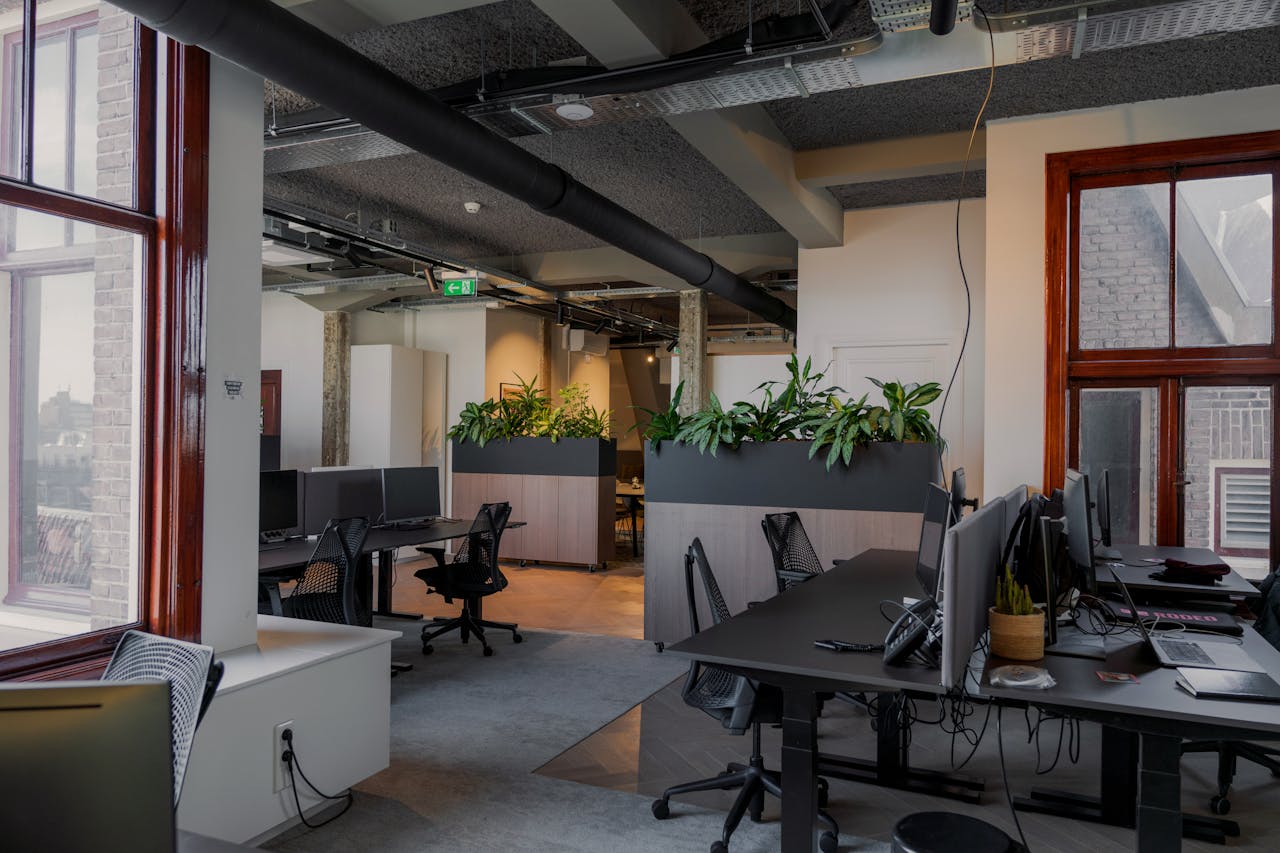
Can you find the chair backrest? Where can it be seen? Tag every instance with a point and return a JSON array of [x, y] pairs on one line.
[[696, 557], [485, 538], [327, 592], [193, 678], [1268, 623], [794, 559], [727, 696]]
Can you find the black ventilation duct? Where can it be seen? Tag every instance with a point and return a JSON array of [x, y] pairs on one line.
[[271, 41], [942, 16]]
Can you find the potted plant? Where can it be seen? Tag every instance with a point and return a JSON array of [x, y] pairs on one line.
[[1017, 625]]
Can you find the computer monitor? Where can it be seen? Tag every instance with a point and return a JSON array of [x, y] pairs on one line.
[[277, 501], [1102, 503], [1076, 506], [1012, 502], [957, 494], [937, 509], [342, 493], [410, 494], [971, 561], [87, 766]]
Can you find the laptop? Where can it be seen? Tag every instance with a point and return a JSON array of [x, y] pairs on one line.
[[1186, 652]]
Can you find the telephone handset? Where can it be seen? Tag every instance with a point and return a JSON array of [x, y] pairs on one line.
[[912, 633]]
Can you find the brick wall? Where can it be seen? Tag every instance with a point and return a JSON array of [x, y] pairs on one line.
[[113, 365]]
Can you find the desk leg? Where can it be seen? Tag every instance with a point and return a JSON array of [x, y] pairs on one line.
[[799, 770], [1159, 800], [635, 544], [386, 571]]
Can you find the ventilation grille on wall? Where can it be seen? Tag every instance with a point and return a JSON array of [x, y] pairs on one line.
[[1245, 512]]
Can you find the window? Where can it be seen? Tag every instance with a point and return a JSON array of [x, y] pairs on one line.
[[101, 307], [1163, 362]]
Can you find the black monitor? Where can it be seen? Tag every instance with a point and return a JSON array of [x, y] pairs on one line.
[[1103, 506], [1076, 505], [277, 501], [410, 494], [957, 494], [937, 509], [342, 493], [87, 766]]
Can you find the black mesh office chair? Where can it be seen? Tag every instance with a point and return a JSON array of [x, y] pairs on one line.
[[473, 575], [328, 589], [738, 703], [1231, 751], [794, 560], [193, 677]]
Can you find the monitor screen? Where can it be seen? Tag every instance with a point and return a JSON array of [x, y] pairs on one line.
[[342, 493], [1103, 506], [66, 749], [957, 494], [1013, 502], [410, 494], [937, 508], [1075, 501], [971, 559], [277, 500]]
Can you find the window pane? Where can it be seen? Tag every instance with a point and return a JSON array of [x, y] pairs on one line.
[[71, 418], [1119, 430], [1224, 243], [1226, 503], [1124, 267], [11, 81]]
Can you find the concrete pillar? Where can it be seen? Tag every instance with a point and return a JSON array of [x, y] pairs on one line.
[[335, 415], [693, 350]]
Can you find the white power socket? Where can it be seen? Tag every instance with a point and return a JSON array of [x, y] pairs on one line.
[[280, 775]]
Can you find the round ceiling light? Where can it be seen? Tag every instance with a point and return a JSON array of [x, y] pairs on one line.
[[575, 111]]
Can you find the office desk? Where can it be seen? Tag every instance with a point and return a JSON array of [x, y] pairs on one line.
[[1138, 577], [633, 497], [1158, 716], [773, 643], [383, 541]]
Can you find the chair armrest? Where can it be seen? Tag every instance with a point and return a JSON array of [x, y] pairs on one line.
[[437, 553], [751, 604], [271, 587], [796, 577]]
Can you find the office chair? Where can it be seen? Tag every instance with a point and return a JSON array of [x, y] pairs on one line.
[[794, 560], [193, 677], [738, 703], [1231, 751], [473, 575], [944, 832], [327, 590]]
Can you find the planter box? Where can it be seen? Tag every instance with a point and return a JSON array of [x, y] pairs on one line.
[[875, 502], [563, 490]]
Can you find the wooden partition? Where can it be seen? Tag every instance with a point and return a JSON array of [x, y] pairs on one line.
[[563, 491], [878, 502]]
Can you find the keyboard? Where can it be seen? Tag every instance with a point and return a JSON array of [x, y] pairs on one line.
[[1182, 652]]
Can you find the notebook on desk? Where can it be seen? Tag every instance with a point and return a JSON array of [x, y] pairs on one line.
[[1228, 684]]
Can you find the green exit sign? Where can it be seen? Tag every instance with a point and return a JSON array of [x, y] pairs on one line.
[[459, 286]]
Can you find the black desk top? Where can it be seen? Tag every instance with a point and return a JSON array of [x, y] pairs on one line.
[[776, 637], [1138, 577], [296, 552]]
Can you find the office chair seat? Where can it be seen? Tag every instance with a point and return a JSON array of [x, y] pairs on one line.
[[944, 832]]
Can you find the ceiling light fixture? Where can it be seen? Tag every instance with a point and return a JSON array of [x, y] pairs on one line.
[[472, 207], [575, 111]]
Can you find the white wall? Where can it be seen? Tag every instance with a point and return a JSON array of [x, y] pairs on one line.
[[233, 318], [890, 303], [1016, 149], [513, 346], [735, 377], [293, 343]]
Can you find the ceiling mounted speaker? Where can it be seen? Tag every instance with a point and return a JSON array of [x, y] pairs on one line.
[[942, 16]]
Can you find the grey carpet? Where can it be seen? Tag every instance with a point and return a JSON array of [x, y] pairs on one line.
[[467, 732]]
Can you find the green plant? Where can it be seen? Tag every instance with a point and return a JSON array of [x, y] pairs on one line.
[[788, 413], [1013, 598], [479, 423], [522, 410], [715, 426], [904, 418], [840, 426], [663, 425], [577, 418]]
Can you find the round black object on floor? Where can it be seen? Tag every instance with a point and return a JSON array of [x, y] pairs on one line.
[[944, 832]]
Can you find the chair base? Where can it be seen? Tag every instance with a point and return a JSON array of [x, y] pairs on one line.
[[467, 624], [754, 781], [1229, 752]]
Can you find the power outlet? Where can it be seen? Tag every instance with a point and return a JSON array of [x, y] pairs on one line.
[[280, 775]]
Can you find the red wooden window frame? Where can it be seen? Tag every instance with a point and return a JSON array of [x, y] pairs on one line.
[[1068, 367], [171, 217]]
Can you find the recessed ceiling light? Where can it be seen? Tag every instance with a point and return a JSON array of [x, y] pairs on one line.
[[575, 111], [472, 207]]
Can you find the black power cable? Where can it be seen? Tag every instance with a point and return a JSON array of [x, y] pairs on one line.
[[290, 759], [1004, 773]]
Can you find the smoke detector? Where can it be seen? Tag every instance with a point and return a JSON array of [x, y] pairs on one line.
[[472, 207], [575, 111]]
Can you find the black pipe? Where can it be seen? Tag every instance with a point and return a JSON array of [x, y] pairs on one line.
[[271, 41], [942, 16]]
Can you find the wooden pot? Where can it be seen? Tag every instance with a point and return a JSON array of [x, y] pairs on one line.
[[1017, 637]]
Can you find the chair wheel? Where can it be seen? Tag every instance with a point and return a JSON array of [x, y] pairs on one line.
[[426, 649], [660, 809], [488, 651], [660, 646], [1219, 805], [719, 847], [828, 842], [823, 793], [516, 638]]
